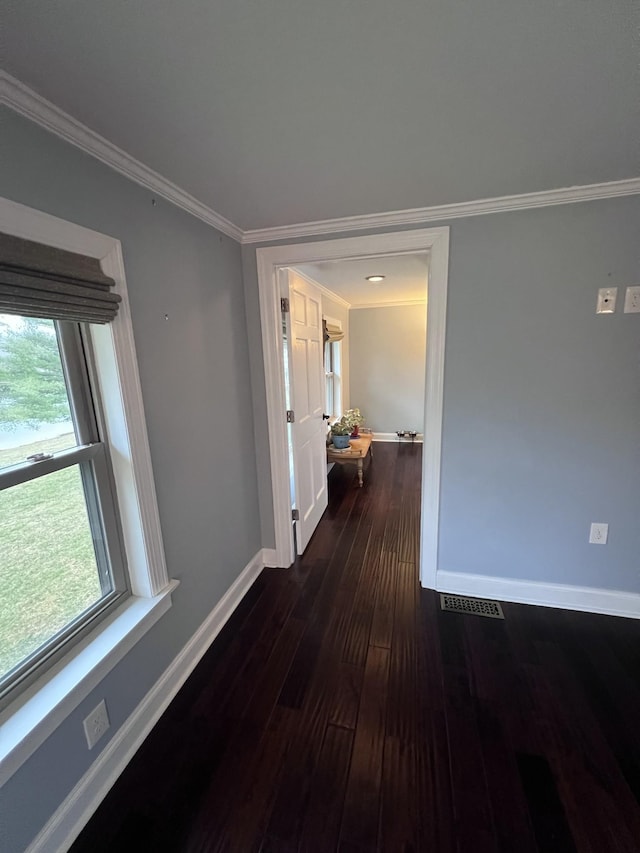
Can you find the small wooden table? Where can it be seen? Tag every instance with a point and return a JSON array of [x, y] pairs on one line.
[[357, 452]]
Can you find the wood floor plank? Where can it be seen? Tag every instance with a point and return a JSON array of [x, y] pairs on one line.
[[362, 799], [322, 822], [246, 824], [613, 696], [499, 722], [547, 812], [473, 814], [293, 795], [437, 820], [400, 805], [237, 760], [589, 770], [511, 817], [403, 675], [385, 600], [346, 699]]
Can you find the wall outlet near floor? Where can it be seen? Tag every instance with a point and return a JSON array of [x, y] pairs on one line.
[[632, 300], [598, 533], [96, 724]]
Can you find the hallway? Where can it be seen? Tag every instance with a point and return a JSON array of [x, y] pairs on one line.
[[340, 709]]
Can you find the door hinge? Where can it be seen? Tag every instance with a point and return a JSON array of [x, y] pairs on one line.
[[295, 514], [284, 305], [291, 417]]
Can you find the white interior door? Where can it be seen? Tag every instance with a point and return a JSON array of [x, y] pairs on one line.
[[308, 431]]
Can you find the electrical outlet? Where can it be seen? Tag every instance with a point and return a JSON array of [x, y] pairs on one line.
[[598, 533], [96, 724], [607, 300], [632, 300]]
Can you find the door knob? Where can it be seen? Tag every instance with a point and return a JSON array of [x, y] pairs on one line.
[[326, 417]]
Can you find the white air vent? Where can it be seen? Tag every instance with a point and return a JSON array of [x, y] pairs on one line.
[[476, 606]]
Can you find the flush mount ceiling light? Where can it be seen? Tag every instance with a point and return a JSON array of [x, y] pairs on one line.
[[375, 277]]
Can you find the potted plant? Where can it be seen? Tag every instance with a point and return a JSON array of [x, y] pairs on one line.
[[340, 433], [345, 428], [353, 417]]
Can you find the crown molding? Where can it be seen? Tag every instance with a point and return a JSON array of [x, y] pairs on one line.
[[397, 304], [33, 106], [321, 287], [333, 296], [442, 212]]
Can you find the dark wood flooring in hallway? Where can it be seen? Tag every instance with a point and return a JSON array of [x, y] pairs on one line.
[[341, 710]]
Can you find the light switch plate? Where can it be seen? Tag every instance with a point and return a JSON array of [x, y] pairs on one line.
[[632, 300], [598, 533], [607, 300]]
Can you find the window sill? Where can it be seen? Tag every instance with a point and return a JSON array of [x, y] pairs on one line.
[[28, 722]]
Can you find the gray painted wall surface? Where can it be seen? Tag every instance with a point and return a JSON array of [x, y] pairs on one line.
[[388, 352], [541, 397], [195, 381]]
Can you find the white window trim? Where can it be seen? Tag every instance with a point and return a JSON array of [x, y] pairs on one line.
[[340, 407], [26, 723]]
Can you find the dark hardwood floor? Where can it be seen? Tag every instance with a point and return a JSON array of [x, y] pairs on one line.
[[340, 709]]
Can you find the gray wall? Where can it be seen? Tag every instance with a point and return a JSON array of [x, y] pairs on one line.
[[196, 387], [541, 398], [388, 355]]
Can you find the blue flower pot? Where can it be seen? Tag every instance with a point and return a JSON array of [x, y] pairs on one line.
[[341, 442]]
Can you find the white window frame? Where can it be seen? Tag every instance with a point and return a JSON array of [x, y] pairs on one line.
[[40, 708], [336, 383]]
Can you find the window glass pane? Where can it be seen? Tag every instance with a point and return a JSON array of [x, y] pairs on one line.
[[48, 569], [35, 416], [328, 358], [329, 395]]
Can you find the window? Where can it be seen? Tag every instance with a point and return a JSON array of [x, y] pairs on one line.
[[33, 713], [332, 371], [62, 565]]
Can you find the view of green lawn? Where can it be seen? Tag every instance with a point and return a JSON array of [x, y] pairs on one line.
[[48, 569]]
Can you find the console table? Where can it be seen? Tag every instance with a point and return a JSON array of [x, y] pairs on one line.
[[358, 450]]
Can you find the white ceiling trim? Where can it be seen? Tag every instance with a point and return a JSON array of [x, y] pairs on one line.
[[398, 304], [28, 103], [330, 293], [33, 106], [423, 215]]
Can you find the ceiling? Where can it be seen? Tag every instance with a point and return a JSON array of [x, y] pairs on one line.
[[274, 112], [405, 279]]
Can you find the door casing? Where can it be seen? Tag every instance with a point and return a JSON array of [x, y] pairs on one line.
[[434, 242]]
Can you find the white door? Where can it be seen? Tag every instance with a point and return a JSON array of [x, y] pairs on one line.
[[308, 431]]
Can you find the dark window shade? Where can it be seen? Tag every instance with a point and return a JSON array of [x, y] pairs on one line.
[[40, 281]]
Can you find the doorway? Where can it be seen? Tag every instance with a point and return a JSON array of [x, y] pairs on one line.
[[434, 242]]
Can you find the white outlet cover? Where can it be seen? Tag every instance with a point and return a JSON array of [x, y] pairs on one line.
[[607, 300], [598, 533], [96, 724], [632, 300]]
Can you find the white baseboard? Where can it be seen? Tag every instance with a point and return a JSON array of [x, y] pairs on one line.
[[590, 599], [391, 436], [270, 558], [66, 823]]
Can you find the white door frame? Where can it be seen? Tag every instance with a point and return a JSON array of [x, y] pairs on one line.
[[435, 243]]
